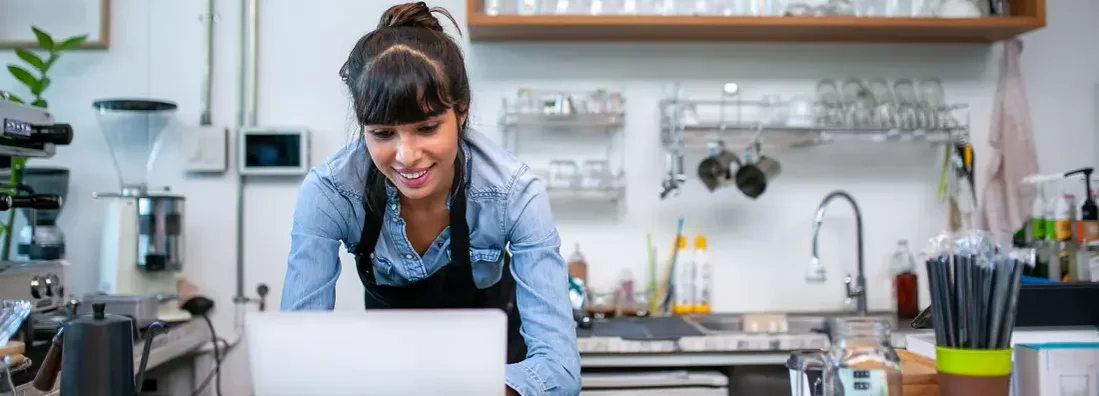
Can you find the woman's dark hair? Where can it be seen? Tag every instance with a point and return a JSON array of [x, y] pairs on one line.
[[405, 71]]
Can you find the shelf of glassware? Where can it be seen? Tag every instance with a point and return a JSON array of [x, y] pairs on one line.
[[592, 121], [700, 136], [696, 123], [613, 190]]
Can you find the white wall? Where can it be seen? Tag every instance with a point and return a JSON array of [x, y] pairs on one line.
[[156, 51]]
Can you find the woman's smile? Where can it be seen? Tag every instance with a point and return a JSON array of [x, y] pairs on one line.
[[414, 178]]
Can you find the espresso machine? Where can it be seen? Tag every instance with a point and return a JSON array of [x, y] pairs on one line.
[[141, 255], [34, 287], [32, 133]]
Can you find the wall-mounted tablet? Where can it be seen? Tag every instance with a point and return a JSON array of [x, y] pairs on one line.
[[273, 151]]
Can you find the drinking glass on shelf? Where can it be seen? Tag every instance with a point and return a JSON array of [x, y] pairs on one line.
[[597, 174], [932, 100], [774, 110], [524, 102], [563, 173], [529, 7], [907, 101]]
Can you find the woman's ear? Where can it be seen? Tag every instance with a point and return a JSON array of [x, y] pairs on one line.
[[461, 111]]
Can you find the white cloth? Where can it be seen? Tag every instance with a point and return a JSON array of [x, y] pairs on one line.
[[1006, 200]]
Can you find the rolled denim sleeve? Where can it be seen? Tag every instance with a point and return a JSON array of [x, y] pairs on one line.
[[313, 266], [552, 365]]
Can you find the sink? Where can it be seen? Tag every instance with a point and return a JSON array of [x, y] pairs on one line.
[[797, 322]]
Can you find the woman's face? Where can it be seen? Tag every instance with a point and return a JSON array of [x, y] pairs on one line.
[[417, 158]]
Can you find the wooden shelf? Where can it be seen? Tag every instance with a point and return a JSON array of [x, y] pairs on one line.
[[1029, 15]]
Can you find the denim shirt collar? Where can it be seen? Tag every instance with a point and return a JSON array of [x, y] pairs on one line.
[[392, 202]]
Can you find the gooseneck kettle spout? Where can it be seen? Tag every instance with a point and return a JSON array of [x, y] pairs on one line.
[[155, 329]]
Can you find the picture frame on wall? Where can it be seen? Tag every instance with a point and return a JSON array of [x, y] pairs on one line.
[[59, 18]]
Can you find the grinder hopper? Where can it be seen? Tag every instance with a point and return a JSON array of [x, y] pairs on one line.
[[134, 130]]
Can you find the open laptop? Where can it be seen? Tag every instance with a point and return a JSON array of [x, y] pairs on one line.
[[378, 352]]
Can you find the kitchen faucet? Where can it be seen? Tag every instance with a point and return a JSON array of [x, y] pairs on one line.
[[858, 291]]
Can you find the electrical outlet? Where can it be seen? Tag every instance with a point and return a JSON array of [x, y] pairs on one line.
[[205, 149]]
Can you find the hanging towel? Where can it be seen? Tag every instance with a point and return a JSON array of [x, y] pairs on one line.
[[1006, 200]]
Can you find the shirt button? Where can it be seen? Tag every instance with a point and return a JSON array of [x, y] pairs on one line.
[[439, 244], [408, 256]]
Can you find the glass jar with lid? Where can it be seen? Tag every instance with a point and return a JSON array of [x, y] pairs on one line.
[[861, 359]]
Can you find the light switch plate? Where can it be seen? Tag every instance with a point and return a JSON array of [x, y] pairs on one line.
[[205, 149]]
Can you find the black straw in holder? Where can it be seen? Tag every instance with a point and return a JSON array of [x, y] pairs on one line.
[[974, 292]]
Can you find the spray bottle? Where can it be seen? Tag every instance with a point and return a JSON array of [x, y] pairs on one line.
[[1087, 231]]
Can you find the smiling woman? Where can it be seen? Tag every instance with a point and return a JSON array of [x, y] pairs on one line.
[[437, 215]]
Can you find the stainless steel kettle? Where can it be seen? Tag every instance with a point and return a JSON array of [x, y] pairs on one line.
[[95, 356]]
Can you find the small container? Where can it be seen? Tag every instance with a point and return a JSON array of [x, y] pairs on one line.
[[965, 372], [642, 300], [601, 304], [578, 265], [861, 359], [625, 301]]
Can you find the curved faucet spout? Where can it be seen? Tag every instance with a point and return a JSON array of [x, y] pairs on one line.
[[857, 290]]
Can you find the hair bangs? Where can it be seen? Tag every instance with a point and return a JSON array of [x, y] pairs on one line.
[[401, 87]]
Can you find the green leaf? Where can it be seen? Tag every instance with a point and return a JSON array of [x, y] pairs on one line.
[[31, 58], [71, 42], [16, 99], [23, 76], [44, 39], [49, 63], [40, 103], [42, 85]]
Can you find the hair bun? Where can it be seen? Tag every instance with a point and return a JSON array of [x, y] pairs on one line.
[[416, 14]]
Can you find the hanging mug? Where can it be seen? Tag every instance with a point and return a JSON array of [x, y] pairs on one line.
[[716, 171], [753, 176]]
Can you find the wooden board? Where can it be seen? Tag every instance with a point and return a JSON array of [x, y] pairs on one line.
[[1027, 15], [919, 375]]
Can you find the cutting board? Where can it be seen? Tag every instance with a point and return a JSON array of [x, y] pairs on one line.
[[919, 375]]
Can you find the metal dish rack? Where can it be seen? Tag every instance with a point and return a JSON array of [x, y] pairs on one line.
[[693, 124], [562, 113]]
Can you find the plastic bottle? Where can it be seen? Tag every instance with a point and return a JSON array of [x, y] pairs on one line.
[[703, 277], [578, 266], [905, 285], [1037, 231], [684, 280]]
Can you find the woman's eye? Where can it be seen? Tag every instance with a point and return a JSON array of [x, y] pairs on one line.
[[381, 133], [428, 128]]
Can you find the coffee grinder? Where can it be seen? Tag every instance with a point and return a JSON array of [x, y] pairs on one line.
[[142, 241], [41, 238]]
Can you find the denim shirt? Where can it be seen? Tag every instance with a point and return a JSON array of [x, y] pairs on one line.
[[507, 208]]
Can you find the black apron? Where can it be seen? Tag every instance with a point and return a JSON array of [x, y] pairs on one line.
[[451, 286]]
